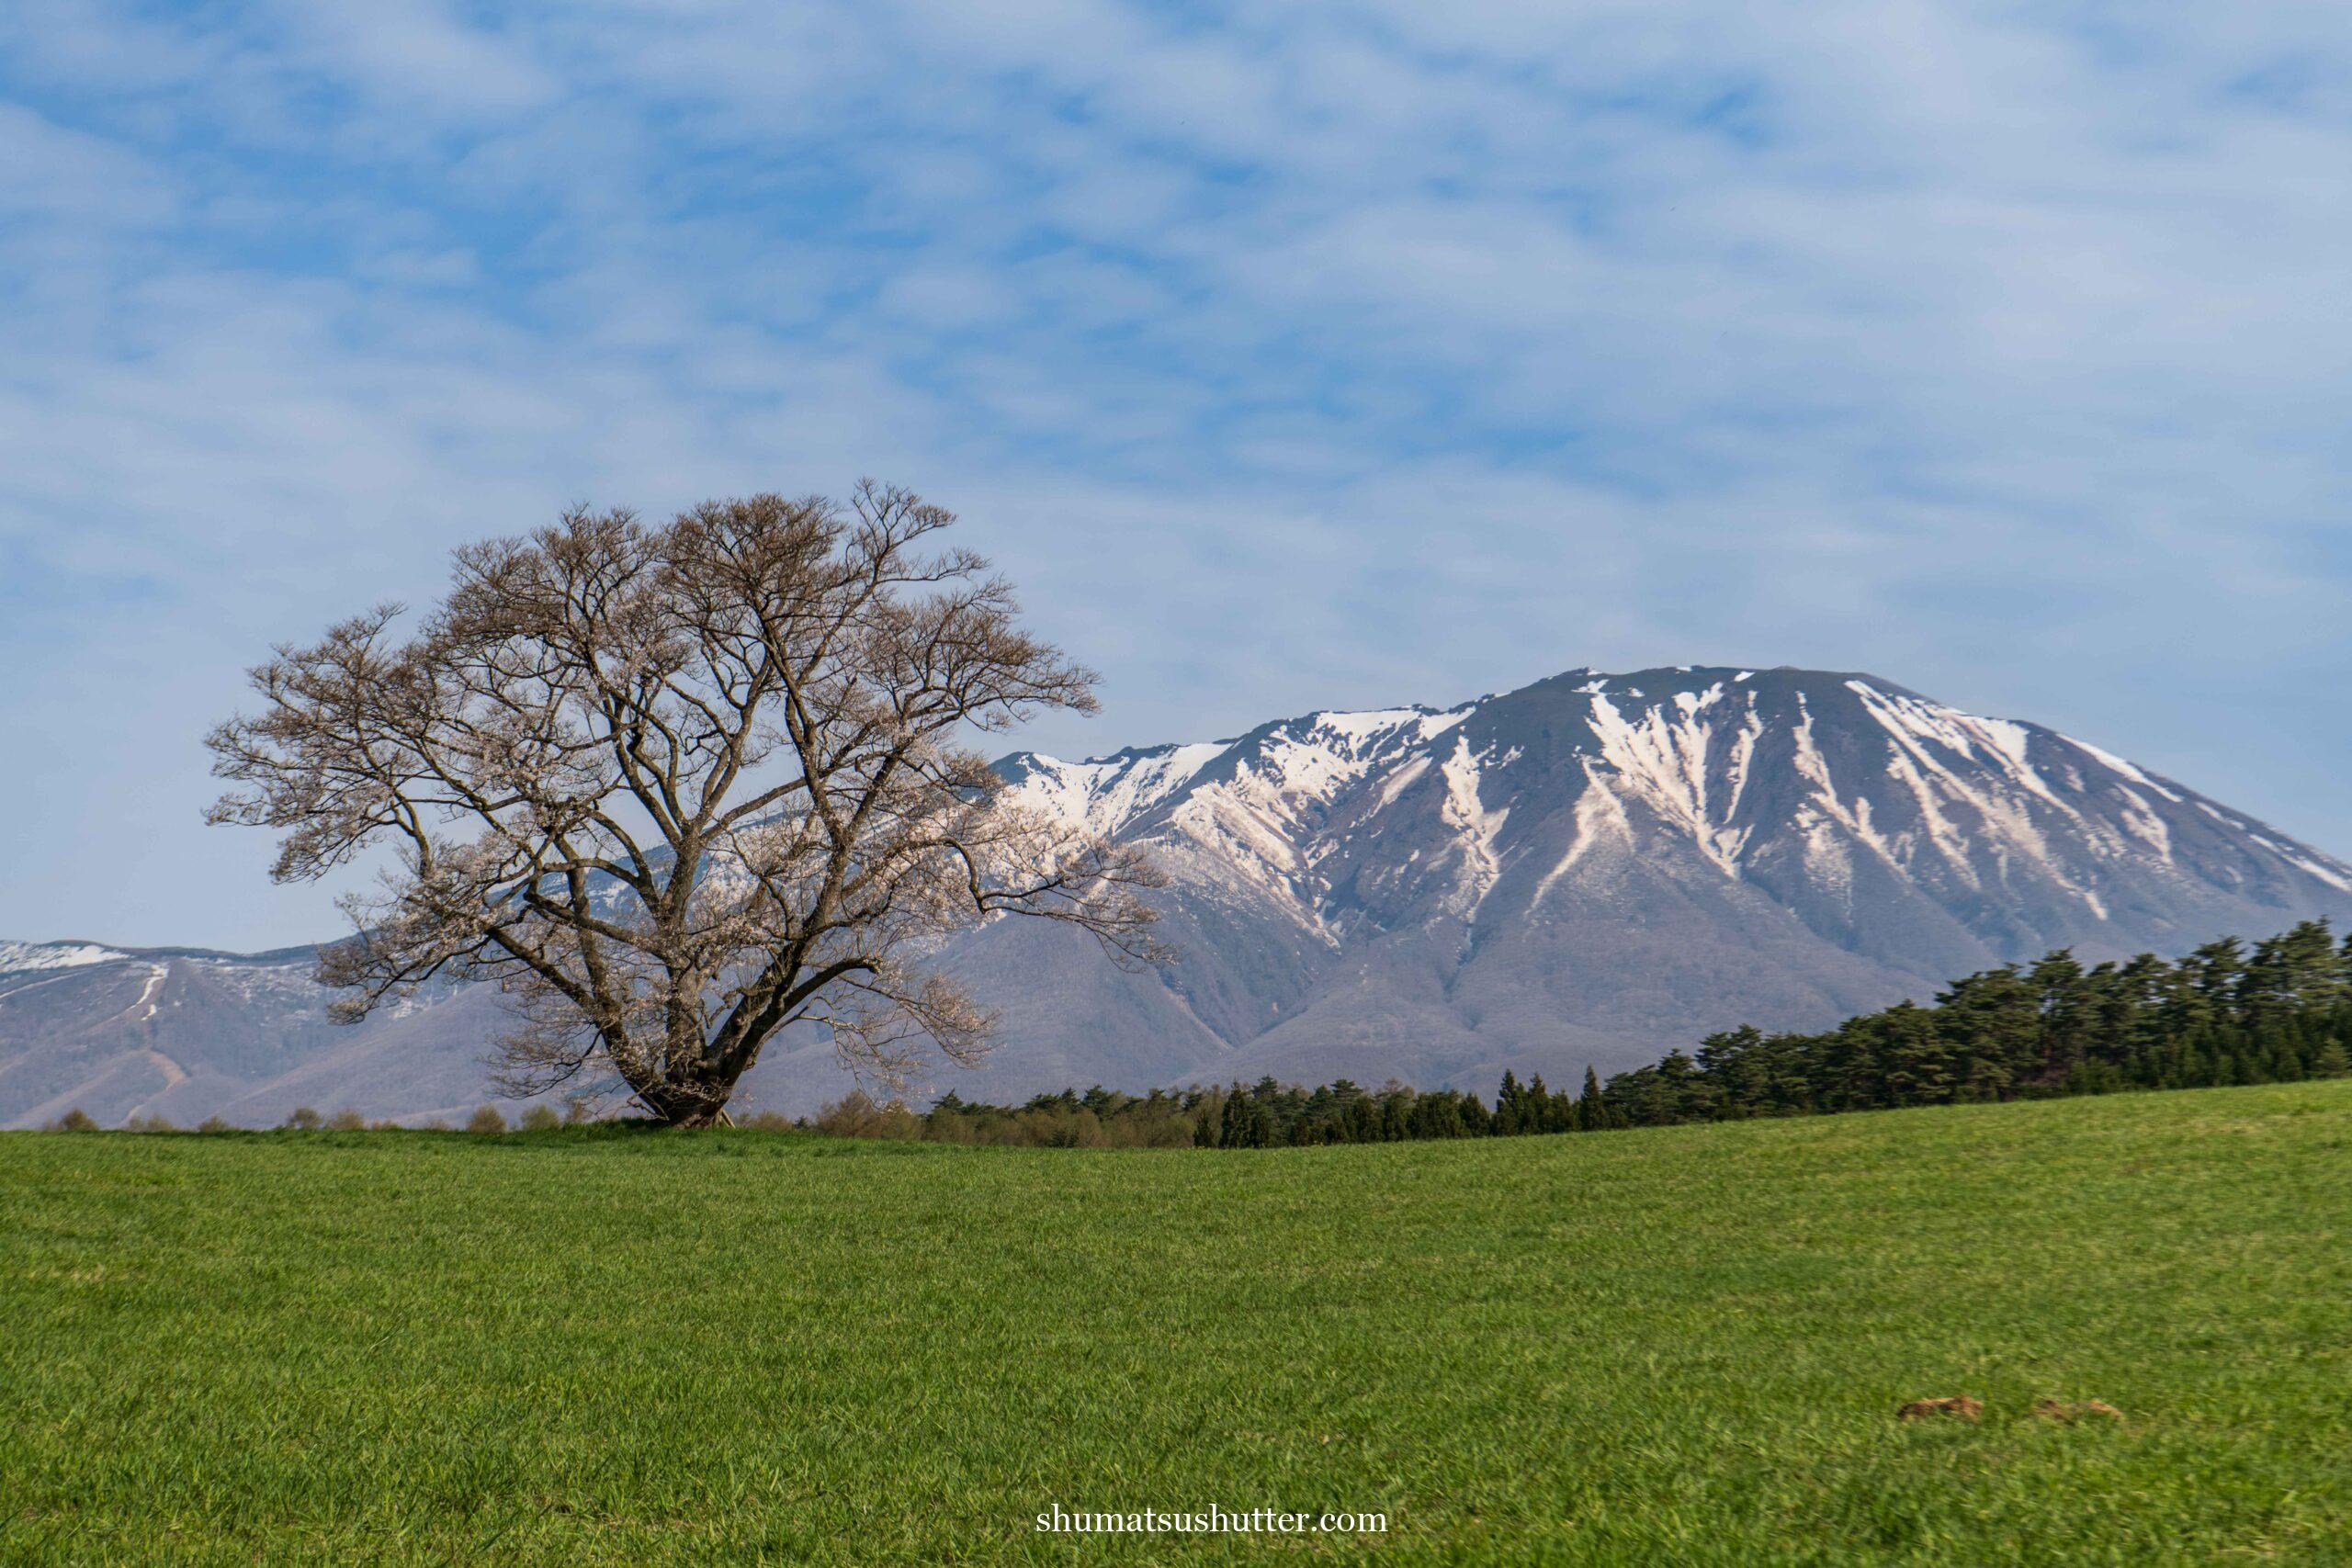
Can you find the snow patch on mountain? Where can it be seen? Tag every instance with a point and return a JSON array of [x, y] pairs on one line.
[[2115, 764], [144, 1008], [1468, 815], [1103, 794], [1918, 727], [17, 957], [1661, 758], [1825, 853], [1598, 811]]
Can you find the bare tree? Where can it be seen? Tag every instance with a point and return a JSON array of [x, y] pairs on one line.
[[675, 788]]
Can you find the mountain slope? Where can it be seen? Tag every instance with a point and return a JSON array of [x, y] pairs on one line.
[[187, 1034], [1596, 866], [1585, 871]]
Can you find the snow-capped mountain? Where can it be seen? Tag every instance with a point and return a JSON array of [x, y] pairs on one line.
[[1588, 869], [1598, 866], [186, 1034]]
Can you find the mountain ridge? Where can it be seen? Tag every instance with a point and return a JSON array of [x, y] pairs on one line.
[[1864, 836], [1585, 870]]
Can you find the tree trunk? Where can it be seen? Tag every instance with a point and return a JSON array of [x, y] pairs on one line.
[[693, 1103]]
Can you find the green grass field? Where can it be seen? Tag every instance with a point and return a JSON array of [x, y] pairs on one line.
[[1685, 1345]]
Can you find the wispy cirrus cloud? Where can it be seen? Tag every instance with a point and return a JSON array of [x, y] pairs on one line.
[[1289, 356]]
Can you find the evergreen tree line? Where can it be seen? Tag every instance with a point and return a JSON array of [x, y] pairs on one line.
[[2275, 1012]]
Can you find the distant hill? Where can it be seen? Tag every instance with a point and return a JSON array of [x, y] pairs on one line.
[[1587, 871]]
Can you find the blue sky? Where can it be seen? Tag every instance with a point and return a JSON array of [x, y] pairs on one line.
[[1288, 357]]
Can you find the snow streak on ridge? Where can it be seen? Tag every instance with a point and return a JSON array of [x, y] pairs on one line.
[[1722, 763]]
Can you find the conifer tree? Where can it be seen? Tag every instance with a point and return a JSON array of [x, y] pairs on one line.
[[1591, 1113]]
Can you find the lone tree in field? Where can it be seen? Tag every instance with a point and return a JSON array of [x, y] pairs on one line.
[[675, 788]]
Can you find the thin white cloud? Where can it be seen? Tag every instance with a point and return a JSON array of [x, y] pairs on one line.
[[1324, 353]]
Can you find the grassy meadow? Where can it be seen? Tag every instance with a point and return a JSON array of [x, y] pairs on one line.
[[1683, 1344]]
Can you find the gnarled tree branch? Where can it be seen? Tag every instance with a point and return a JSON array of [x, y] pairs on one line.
[[675, 788]]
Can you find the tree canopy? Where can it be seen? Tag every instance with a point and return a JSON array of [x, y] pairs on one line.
[[678, 787]]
